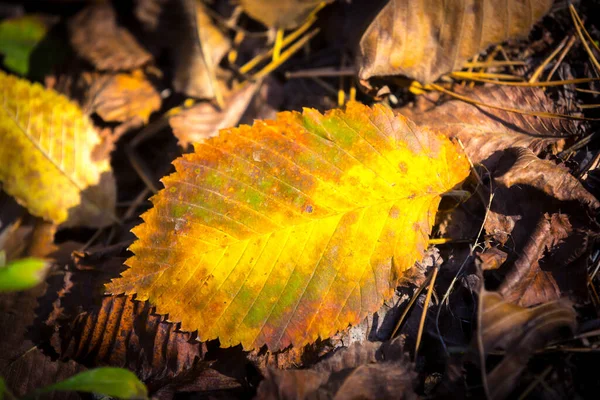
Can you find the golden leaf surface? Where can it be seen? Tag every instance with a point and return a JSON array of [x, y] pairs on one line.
[[290, 230], [46, 146]]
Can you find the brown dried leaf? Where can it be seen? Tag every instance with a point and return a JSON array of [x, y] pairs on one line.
[[124, 96], [204, 120], [552, 179], [122, 332], [426, 39], [24, 366], [485, 132], [492, 258], [88, 213], [518, 331], [126, 333], [370, 370], [194, 43], [542, 272], [21, 234], [280, 14], [198, 49], [97, 38]]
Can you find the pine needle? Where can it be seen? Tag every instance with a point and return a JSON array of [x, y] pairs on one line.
[[509, 109]]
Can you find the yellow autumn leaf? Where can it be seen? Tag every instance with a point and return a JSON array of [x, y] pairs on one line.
[[292, 229], [46, 149]]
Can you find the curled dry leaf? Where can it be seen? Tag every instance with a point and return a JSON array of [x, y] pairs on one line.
[[292, 229], [369, 370], [198, 50], [47, 151], [540, 274], [280, 14], [97, 38], [519, 332], [552, 179], [194, 43], [205, 120], [426, 39], [126, 333], [122, 97], [485, 132]]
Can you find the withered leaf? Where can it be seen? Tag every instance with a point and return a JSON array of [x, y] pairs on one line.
[[280, 14], [520, 332], [24, 366], [427, 38], [550, 178], [97, 37], [205, 120], [194, 43], [486, 132], [126, 333], [369, 370], [539, 274], [123, 96]]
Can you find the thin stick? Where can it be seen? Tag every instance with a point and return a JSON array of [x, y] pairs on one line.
[[509, 109], [278, 45], [538, 379], [409, 306], [578, 26], [322, 72], [564, 53], [458, 75], [425, 307], [244, 69], [493, 63], [285, 56], [539, 70], [489, 75], [140, 167]]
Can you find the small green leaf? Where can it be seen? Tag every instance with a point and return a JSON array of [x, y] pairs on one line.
[[18, 38], [29, 47], [115, 382], [22, 274], [2, 388]]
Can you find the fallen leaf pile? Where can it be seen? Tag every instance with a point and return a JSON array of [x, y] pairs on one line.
[[299, 199]]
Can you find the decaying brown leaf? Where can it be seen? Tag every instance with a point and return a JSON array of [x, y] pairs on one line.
[[23, 365], [485, 132], [552, 179], [120, 332], [126, 333], [197, 49], [205, 119], [552, 264], [195, 45], [519, 332], [97, 37], [369, 370], [21, 234], [280, 14], [426, 39], [124, 96]]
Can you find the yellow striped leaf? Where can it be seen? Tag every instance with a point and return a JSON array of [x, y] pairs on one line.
[[290, 230], [46, 146]]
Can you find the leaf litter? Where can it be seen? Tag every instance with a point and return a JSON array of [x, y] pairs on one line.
[[501, 299]]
